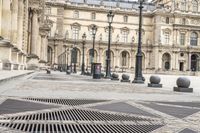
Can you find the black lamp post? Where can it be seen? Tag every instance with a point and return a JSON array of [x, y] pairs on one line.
[[94, 30], [110, 20], [83, 56], [138, 65]]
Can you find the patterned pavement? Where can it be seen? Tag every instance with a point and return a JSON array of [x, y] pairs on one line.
[[36, 112]]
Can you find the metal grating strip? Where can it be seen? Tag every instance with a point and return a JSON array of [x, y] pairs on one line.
[[77, 115], [71, 102], [81, 128]]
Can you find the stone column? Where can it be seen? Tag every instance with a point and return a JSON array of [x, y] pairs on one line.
[[20, 23], [6, 19], [189, 61], [39, 46], [35, 32], [14, 23], [43, 48]]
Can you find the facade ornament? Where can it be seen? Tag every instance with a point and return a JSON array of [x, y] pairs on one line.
[[100, 37], [117, 38]]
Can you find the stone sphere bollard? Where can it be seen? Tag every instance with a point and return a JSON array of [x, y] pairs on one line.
[[155, 82], [183, 85], [125, 78], [183, 82], [114, 76], [154, 79], [68, 72]]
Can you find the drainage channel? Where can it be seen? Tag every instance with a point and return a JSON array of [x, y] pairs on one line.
[[80, 128], [77, 115], [71, 102]]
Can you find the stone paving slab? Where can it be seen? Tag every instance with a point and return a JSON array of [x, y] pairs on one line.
[[7, 75], [76, 86]]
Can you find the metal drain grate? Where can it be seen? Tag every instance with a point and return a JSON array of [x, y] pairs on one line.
[[77, 115], [187, 104], [179, 112], [49, 78], [80, 128], [123, 108], [71, 102], [187, 131], [11, 106]]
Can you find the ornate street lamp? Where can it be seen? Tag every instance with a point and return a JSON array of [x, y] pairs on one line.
[[83, 56], [94, 30], [110, 20], [138, 65]]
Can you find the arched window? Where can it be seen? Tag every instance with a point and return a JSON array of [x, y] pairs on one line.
[[124, 59], [193, 39], [167, 20], [183, 5], [194, 62], [166, 59], [195, 6]]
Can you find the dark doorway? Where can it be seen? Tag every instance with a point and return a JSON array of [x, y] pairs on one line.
[[181, 66], [194, 62]]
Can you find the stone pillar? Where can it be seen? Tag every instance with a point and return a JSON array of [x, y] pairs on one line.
[[39, 43], [56, 54], [189, 61], [46, 48], [6, 19], [20, 23], [43, 48], [14, 22], [1, 16], [35, 32]]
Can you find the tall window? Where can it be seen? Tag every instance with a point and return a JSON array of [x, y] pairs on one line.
[[166, 37], [124, 58], [182, 39], [76, 14], [195, 6], [125, 36], [75, 33], [193, 39], [183, 5], [125, 19], [93, 15], [167, 20]]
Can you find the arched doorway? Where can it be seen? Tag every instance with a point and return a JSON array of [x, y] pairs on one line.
[[194, 62], [49, 55], [111, 58], [89, 57], [124, 59], [166, 59]]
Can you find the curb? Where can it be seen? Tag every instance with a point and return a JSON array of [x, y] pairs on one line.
[[14, 77]]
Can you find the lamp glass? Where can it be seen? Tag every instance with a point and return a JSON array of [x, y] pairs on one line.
[[110, 17], [84, 37], [94, 29]]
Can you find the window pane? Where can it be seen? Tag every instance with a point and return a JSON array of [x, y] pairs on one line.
[[182, 39]]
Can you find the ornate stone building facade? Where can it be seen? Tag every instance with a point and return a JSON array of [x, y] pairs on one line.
[[23, 34], [170, 39]]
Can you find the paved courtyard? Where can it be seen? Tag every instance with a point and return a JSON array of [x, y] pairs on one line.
[[74, 103]]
